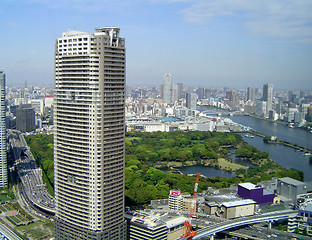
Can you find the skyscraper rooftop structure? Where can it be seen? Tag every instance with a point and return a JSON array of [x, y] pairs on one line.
[[3, 149], [89, 133]]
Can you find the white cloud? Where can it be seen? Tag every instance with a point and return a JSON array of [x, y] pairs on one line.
[[278, 18], [12, 24]]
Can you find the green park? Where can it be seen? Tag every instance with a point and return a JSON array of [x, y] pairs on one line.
[[147, 152]]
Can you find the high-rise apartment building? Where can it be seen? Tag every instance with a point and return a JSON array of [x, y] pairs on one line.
[[268, 96], [3, 149], [89, 102], [25, 118]]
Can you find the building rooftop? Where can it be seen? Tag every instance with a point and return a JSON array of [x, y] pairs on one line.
[[176, 221], [147, 220], [248, 186], [238, 203], [291, 181], [160, 203], [266, 192]]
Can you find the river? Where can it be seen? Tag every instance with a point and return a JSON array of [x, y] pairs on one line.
[[284, 156]]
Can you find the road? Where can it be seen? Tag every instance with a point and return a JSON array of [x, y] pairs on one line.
[[226, 225], [7, 234], [32, 186]]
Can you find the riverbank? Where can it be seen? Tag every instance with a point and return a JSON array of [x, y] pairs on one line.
[[285, 143]]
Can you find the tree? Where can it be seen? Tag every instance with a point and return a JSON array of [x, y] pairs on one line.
[[243, 152], [266, 139]]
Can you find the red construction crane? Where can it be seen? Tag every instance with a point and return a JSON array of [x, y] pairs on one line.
[[188, 233]]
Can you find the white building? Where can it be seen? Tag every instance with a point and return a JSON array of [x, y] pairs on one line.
[[302, 221], [291, 113], [48, 100], [175, 200], [37, 104], [261, 107], [89, 109], [3, 148], [154, 226]]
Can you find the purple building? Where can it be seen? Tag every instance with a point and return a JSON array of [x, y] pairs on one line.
[[256, 193]]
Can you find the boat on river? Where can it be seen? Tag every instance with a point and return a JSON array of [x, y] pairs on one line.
[[249, 136]]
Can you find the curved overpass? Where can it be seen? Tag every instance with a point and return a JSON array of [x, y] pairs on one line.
[[219, 227]]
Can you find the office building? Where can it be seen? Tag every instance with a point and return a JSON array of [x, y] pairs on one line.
[[37, 105], [231, 209], [251, 94], [291, 112], [268, 96], [288, 189], [89, 122], [155, 226], [202, 93], [48, 100], [3, 149], [167, 89], [191, 100], [177, 89], [261, 107], [175, 200], [25, 118]]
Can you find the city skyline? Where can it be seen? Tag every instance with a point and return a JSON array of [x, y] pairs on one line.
[[201, 43]]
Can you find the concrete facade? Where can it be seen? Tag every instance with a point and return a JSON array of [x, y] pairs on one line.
[[3, 146], [89, 123], [289, 188]]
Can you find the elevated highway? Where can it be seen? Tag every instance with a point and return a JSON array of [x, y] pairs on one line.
[[222, 226], [7, 234], [32, 186]]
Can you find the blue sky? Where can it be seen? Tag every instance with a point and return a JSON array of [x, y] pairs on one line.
[[210, 43]]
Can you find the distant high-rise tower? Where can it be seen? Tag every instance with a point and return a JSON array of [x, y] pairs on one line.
[[89, 137], [167, 88], [251, 94], [176, 93], [3, 149], [25, 118], [191, 100], [268, 96]]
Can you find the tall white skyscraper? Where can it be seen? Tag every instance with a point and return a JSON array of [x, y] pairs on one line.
[[3, 149], [89, 101]]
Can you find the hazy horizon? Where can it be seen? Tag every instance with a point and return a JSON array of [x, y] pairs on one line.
[[221, 43]]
